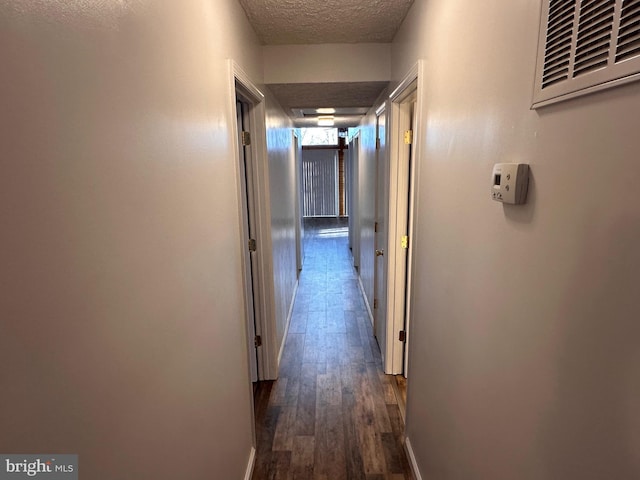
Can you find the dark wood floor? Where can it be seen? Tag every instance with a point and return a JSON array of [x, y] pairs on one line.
[[399, 384], [332, 414]]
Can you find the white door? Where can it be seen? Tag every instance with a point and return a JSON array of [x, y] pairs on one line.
[[405, 143], [403, 209], [380, 236], [249, 228], [412, 112]]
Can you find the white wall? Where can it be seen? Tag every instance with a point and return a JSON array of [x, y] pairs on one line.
[[525, 333], [367, 203], [122, 337], [364, 62], [282, 178]]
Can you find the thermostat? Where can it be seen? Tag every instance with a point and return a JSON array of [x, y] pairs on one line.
[[509, 182]]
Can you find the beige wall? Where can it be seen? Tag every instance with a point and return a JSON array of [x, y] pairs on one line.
[[524, 348], [336, 62], [122, 334]]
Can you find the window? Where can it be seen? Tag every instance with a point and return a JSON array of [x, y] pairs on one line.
[[320, 177], [319, 136], [585, 46]]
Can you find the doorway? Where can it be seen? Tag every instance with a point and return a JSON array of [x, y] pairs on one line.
[[297, 154], [249, 133], [380, 232], [404, 138], [353, 190], [249, 228]]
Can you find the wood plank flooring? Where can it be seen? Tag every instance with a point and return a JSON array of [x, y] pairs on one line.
[[332, 414], [399, 384]]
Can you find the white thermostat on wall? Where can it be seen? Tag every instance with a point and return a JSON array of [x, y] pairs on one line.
[[509, 182]]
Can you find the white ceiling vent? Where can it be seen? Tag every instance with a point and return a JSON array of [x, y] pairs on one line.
[[585, 46]]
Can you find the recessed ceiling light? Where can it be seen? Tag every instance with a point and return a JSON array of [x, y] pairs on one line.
[[326, 121], [326, 111]]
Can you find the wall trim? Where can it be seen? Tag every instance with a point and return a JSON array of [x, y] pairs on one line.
[[409, 78], [412, 459], [366, 302], [252, 461], [288, 322]]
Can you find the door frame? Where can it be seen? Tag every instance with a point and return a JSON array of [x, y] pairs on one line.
[[241, 86], [297, 155], [381, 233], [249, 227], [354, 204], [402, 180]]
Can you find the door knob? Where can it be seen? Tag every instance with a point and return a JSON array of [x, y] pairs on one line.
[[379, 253]]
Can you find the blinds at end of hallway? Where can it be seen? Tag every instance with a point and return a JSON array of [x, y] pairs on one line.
[[319, 183]]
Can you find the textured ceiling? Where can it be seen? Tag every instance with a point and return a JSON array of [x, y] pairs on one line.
[[312, 95], [294, 96], [288, 22], [303, 22]]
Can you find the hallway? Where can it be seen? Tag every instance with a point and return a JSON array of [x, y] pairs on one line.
[[332, 414]]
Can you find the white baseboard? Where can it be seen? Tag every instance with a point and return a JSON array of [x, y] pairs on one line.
[[412, 459], [288, 322], [366, 302], [252, 461]]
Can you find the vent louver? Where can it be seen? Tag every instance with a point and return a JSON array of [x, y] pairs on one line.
[[629, 32], [594, 36], [586, 45], [558, 44]]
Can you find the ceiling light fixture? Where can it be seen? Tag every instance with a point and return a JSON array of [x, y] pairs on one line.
[[326, 121], [325, 111]]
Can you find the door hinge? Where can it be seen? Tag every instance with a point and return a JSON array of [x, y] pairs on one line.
[[377, 143], [253, 246], [246, 139], [408, 137], [257, 341], [402, 336], [375, 303], [375, 227], [404, 241]]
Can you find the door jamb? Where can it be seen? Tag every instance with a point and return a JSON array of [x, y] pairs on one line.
[[354, 206], [239, 82]]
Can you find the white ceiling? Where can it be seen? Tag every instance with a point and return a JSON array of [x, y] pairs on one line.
[[295, 22], [291, 22], [299, 99]]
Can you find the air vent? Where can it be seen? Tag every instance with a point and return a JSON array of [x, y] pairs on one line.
[[594, 36], [586, 45], [629, 32], [558, 43]]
